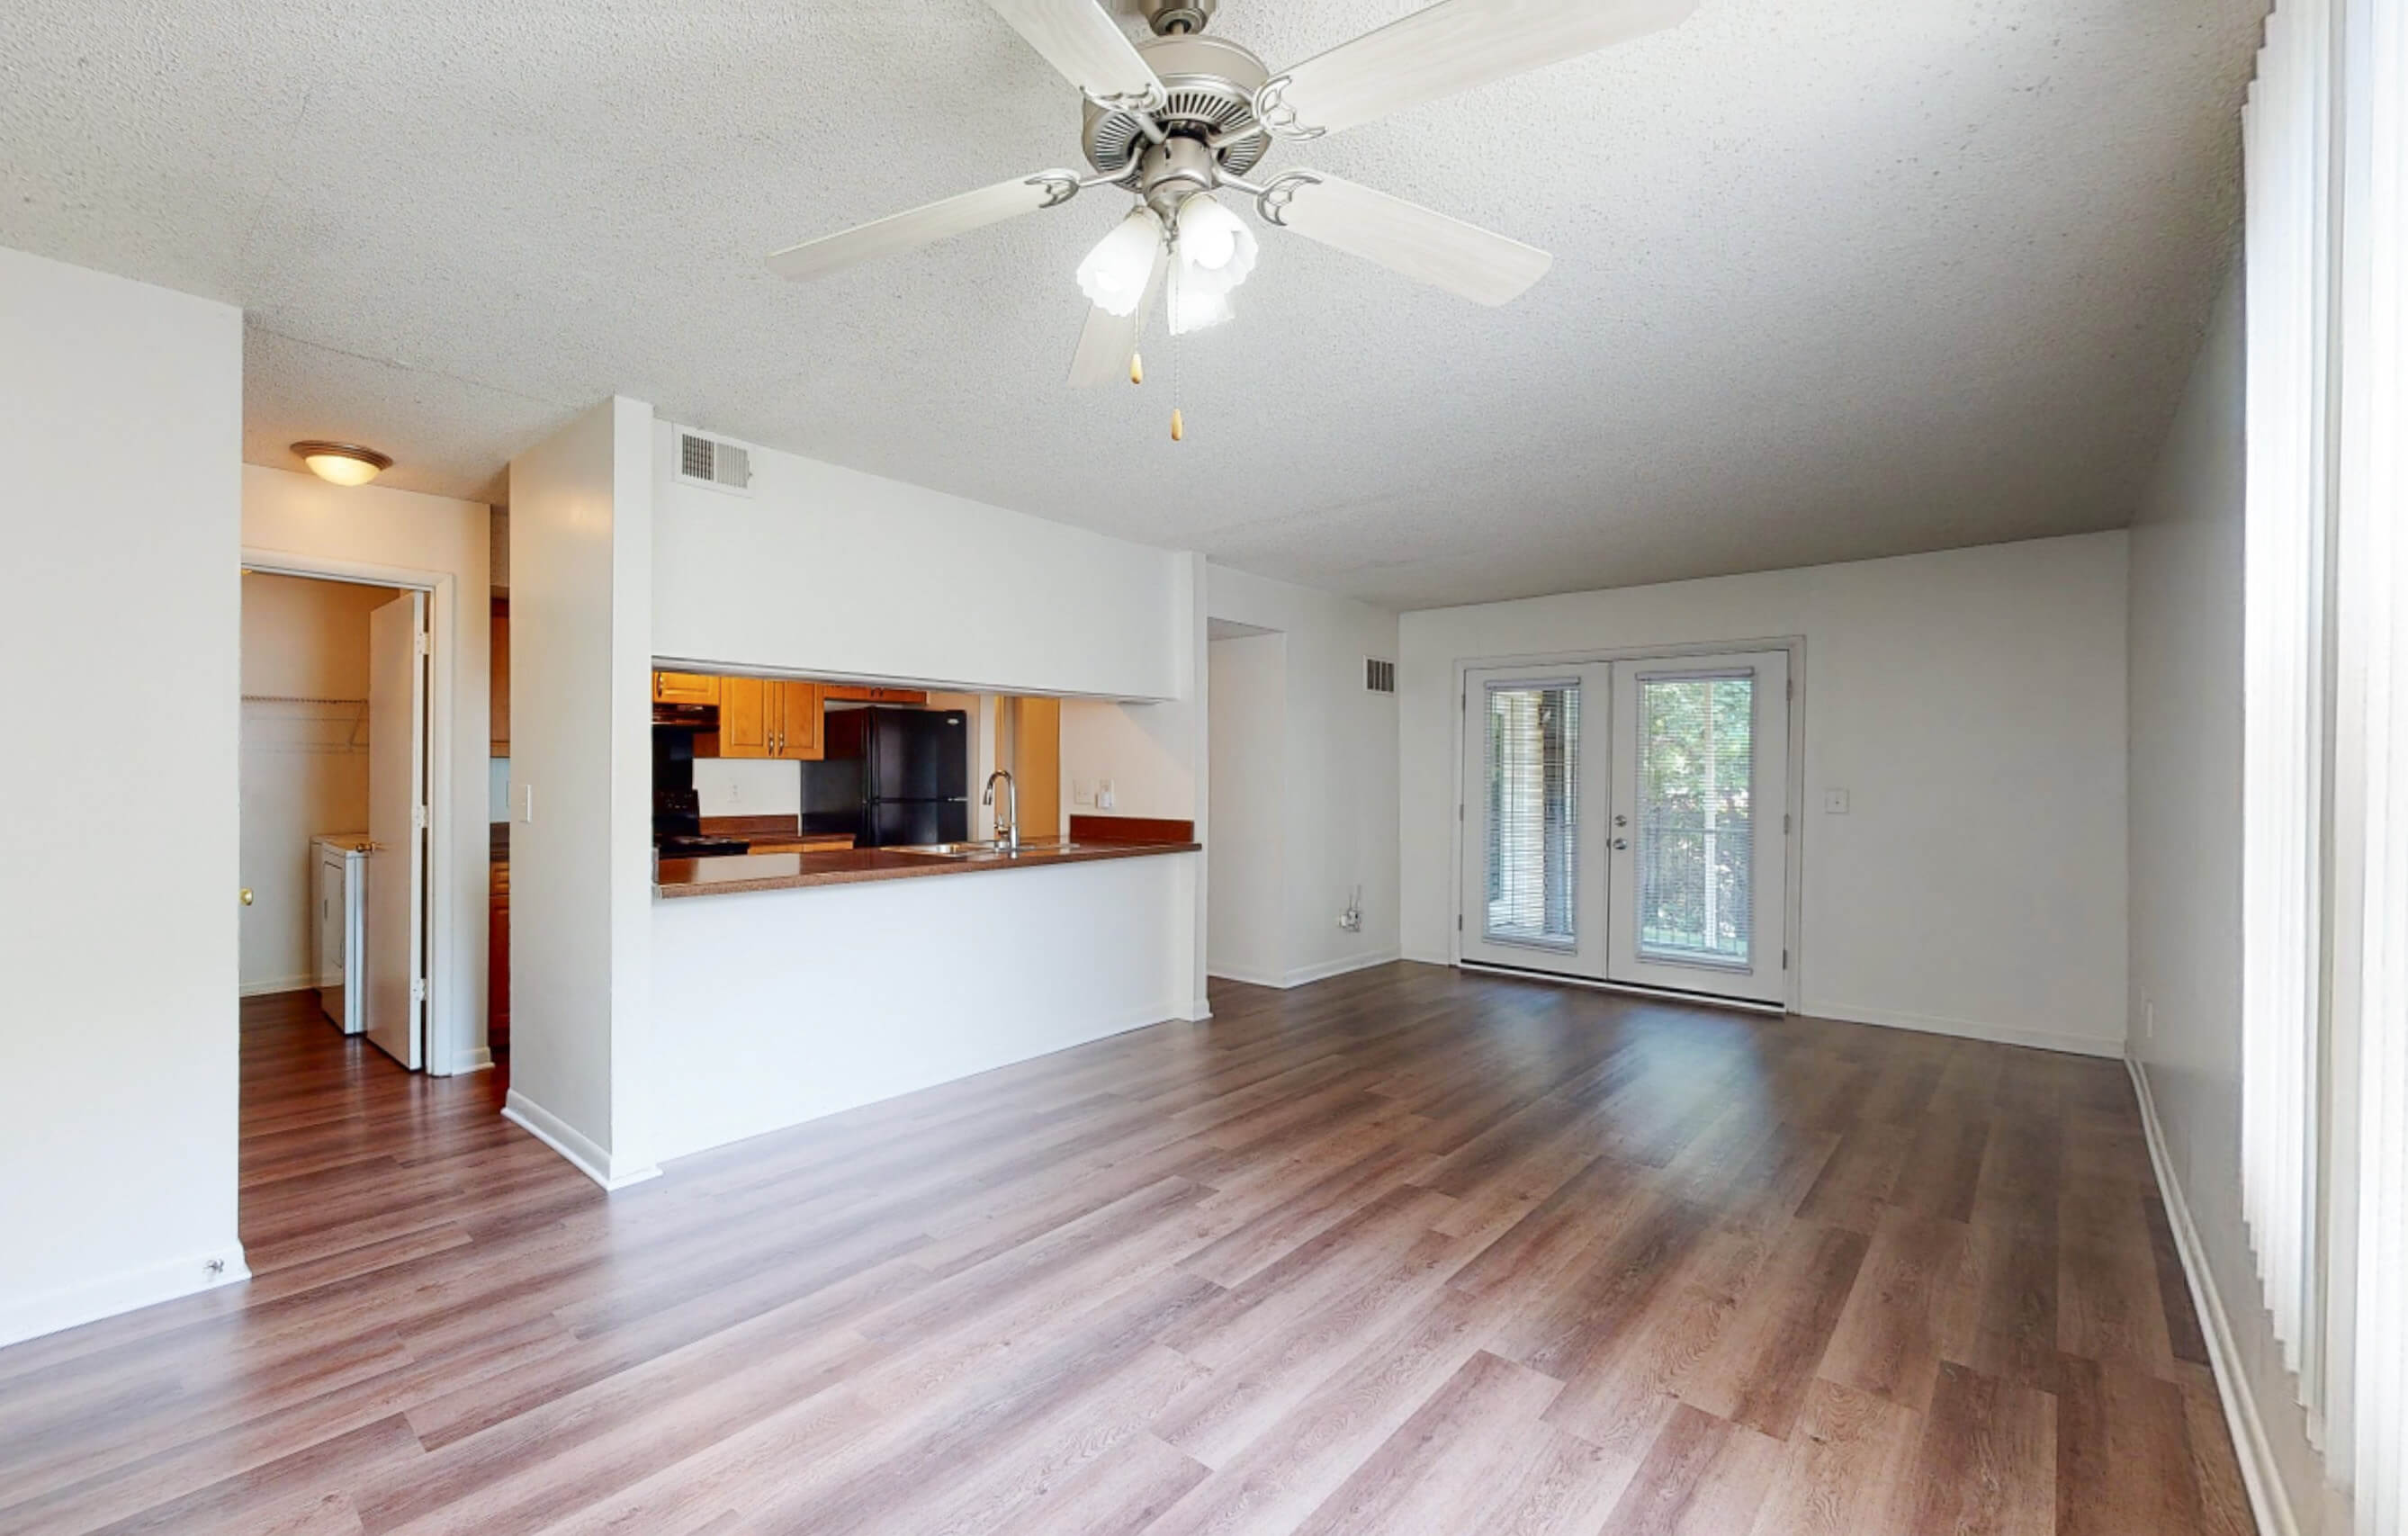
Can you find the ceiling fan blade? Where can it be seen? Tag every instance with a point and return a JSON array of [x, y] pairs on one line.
[[1107, 339], [1086, 46], [1449, 46], [1423, 244], [899, 232]]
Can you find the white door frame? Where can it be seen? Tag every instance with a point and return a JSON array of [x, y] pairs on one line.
[[450, 1037], [1795, 810]]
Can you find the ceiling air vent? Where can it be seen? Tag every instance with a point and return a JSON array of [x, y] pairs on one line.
[[1380, 676], [714, 462]]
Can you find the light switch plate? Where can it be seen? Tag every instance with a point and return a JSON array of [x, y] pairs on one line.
[[1835, 802], [1081, 791]]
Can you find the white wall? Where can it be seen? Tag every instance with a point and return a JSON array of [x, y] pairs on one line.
[[1972, 703], [404, 536], [829, 572], [1247, 935], [777, 1007], [581, 744], [1146, 752], [1339, 813], [2185, 868], [745, 786], [305, 767], [121, 408]]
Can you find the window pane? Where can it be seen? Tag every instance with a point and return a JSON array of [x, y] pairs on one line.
[[1697, 824], [1533, 814]]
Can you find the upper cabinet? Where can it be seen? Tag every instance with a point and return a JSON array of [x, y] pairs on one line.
[[685, 688], [766, 717], [498, 700], [848, 694]]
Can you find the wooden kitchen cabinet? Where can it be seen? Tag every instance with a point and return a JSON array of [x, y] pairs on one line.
[[685, 688], [800, 710], [848, 694], [766, 717], [498, 672]]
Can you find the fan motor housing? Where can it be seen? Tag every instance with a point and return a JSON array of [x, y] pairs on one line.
[[1208, 85]]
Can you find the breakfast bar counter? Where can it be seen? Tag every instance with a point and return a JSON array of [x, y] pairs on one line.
[[1090, 839]]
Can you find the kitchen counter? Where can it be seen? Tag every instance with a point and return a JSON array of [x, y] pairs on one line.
[[681, 877]]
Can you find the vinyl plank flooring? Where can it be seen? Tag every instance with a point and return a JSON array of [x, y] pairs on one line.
[[1406, 1251]]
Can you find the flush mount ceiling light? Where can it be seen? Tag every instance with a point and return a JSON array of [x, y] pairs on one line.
[[345, 464], [1180, 115]]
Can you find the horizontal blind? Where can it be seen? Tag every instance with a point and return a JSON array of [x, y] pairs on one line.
[[2286, 163], [1533, 771]]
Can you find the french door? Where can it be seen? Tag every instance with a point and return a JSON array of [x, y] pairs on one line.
[[1627, 822]]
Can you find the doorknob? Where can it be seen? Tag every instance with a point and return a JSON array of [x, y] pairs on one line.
[[246, 896]]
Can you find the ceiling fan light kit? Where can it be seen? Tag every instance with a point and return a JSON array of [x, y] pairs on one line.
[[1180, 116]]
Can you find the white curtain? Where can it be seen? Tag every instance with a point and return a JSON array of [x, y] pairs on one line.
[[2370, 953], [2286, 138]]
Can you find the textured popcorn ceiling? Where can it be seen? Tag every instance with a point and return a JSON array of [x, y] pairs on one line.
[[1834, 279]]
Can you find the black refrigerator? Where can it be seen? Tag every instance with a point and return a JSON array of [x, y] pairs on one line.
[[915, 772]]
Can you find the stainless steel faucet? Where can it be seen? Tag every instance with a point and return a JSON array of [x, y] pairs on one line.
[[1006, 831]]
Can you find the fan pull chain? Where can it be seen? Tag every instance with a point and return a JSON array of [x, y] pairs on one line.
[[1178, 422]]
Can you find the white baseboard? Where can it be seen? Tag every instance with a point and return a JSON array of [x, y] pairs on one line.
[[30, 1317], [2259, 1473], [1997, 1034], [1302, 974], [571, 1143], [281, 984], [477, 1059]]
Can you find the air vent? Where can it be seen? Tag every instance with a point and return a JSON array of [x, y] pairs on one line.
[[1380, 676], [714, 462]]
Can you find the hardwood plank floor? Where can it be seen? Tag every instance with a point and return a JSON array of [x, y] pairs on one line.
[[1404, 1251]]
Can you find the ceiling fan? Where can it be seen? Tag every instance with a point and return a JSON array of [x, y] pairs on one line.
[[1181, 116]]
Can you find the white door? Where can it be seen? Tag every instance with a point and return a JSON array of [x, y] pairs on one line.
[[1698, 841], [1535, 786], [396, 876]]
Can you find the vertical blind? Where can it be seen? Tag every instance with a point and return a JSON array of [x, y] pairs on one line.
[[2285, 147], [2370, 959], [1533, 813]]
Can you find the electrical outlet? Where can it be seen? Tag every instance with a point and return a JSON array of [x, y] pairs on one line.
[[1081, 791], [736, 791], [1103, 794]]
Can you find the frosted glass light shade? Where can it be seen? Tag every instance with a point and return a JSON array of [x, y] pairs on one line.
[[344, 464], [1194, 306], [1216, 243], [1114, 273]]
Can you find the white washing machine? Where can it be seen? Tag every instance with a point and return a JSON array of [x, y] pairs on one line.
[[342, 864]]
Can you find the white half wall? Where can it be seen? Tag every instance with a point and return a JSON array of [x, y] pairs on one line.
[[1247, 933], [777, 1007], [2186, 884], [1972, 704], [305, 765], [829, 572], [121, 427], [375, 531], [1339, 805], [581, 790]]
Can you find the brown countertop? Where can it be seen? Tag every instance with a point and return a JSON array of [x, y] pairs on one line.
[[854, 865]]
